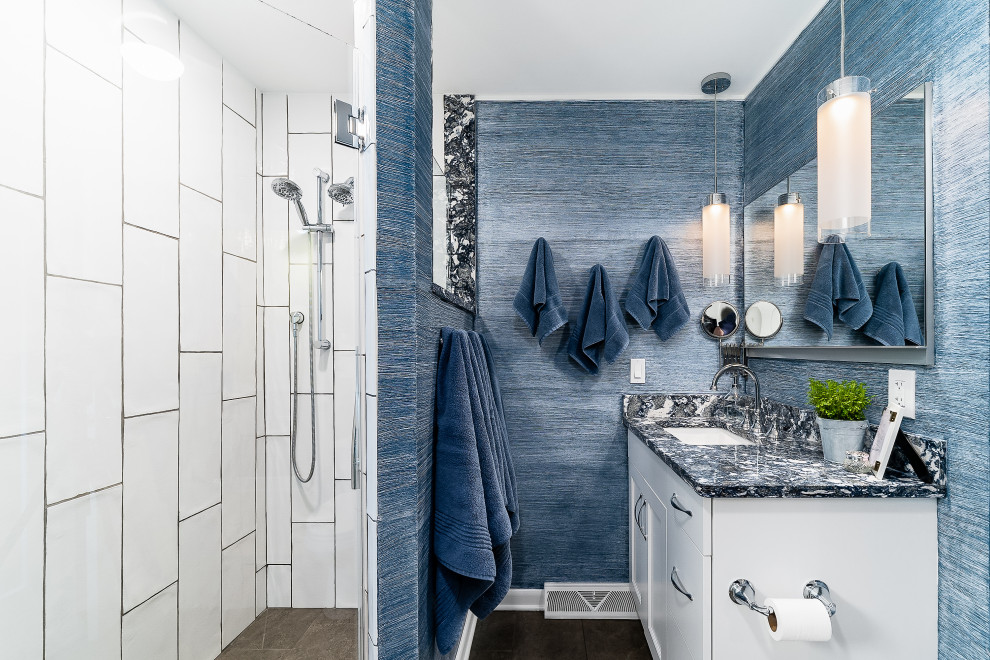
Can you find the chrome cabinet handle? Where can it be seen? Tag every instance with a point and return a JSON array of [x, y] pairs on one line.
[[638, 509], [675, 580], [676, 503]]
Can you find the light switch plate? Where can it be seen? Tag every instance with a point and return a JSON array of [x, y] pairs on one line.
[[637, 370], [900, 390]]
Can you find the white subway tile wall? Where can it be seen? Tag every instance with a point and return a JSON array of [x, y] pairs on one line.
[[148, 631], [237, 588]]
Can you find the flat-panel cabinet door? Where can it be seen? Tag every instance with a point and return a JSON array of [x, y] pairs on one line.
[[638, 551], [656, 513]]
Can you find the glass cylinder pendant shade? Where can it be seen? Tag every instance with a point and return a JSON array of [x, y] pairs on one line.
[[844, 158], [788, 240], [715, 241]]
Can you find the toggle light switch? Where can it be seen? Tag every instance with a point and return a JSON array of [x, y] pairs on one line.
[[637, 370]]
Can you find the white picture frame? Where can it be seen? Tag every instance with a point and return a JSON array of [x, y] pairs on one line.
[[883, 441]]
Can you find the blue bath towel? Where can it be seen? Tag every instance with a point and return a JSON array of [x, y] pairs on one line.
[[600, 330], [656, 298], [538, 300], [837, 286], [474, 499], [895, 320]]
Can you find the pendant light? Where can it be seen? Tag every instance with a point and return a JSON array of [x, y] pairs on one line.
[[715, 229], [844, 151], [788, 238]]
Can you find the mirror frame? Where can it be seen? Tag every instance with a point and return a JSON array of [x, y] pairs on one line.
[[915, 355]]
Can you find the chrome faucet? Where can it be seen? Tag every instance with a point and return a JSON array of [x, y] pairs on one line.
[[743, 369]]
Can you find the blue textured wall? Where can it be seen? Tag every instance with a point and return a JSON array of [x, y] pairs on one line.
[[597, 180], [899, 44]]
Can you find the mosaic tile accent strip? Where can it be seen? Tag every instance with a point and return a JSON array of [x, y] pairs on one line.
[[459, 153]]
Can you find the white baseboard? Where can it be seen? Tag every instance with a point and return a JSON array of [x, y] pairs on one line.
[[522, 600], [467, 637]]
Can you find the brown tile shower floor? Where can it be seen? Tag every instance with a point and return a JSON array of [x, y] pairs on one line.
[[529, 636], [281, 633]]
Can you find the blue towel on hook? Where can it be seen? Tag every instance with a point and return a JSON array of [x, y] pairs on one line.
[[838, 286], [656, 298], [538, 301], [895, 320], [474, 498], [600, 330]]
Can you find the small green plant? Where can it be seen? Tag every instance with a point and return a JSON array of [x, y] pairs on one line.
[[845, 401]]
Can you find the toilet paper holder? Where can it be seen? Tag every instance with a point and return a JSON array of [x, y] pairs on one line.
[[741, 592]]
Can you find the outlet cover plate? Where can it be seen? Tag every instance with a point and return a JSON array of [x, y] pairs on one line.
[[637, 370], [900, 390]]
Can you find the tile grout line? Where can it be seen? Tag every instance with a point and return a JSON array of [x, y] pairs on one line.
[[44, 321]]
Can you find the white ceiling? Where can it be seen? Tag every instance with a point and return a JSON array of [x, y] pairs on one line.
[[609, 49], [279, 45]]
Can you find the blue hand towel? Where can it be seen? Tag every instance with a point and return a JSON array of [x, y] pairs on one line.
[[474, 499], [600, 330], [837, 286], [656, 298], [538, 300], [895, 320]]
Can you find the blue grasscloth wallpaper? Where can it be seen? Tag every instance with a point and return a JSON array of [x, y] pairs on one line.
[[597, 180], [898, 44]]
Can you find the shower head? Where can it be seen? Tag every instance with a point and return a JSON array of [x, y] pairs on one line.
[[342, 193], [289, 190]]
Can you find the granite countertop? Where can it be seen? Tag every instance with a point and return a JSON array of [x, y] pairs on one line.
[[788, 462]]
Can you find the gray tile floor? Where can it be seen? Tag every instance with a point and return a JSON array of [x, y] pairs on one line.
[[281, 633], [529, 636]]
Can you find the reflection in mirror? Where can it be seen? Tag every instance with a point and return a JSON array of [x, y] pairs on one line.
[[763, 319], [720, 320]]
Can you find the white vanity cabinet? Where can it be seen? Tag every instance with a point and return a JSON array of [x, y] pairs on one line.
[[879, 557]]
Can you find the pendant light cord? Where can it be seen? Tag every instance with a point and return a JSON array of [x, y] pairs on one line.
[[842, 38], [716, 136]]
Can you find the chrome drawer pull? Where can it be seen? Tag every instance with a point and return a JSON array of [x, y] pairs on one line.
[[675, 580], [676, 503]]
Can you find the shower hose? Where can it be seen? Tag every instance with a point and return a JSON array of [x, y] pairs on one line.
[[296, 320]]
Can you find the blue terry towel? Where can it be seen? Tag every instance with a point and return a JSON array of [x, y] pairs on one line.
[[474, 499], [895, 320], [656, 298], [600, 330], [538, 300], [837, 286]]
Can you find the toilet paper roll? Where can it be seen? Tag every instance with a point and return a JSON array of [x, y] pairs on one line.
[[799, 619]]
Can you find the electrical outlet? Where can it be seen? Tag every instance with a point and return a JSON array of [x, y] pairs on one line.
[[637, 370], [900, 390]]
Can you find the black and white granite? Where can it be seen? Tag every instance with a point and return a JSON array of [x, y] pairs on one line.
[[459, 153], [786, 462]]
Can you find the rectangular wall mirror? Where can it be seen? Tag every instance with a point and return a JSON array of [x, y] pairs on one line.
[[902, 231]]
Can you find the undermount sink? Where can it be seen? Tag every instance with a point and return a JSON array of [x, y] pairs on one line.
[[707, 436]]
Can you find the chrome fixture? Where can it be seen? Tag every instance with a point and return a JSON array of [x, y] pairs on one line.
[[741, 592], [715, 225], [349, 127], [296, 320], [289, 190], [743, 369], [819, 591], [342, 193]]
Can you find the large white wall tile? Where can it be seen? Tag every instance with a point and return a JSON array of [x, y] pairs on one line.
[[151, 322], [240, 328], [149, 631], [239, 186], [151, 503], [347, 528], [259, 363], [238, 471], [200, 272], [279, 585], [260, 237], [152, 23], [238, 583], [260, 591], [313, 501], [82, 578], [199, 432], [345, 166], [22, 93], [310, 113], [345, 287], [83, 170], [275, 152], [22, 288], [301, 278], [151, 145], [275, 232], [305, 153], [260, 523], [82, 371], [22, 526], [200, 107], [371, 332], [344, 377], [277, 371], [372, 564], [370, 464], [199, 580], [88, 31], [278, 505], [239, 96], [313, 565]]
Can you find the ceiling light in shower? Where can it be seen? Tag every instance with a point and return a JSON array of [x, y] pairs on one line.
[[715, 226], [844, 151], [788, 238], [151, 61]]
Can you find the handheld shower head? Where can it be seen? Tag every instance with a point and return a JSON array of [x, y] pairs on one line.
[[289, 190], [342, 193]]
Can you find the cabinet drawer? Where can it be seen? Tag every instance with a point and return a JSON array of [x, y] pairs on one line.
[[690, 570]]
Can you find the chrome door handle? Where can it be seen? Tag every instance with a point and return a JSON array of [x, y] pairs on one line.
[[675, 580], [676, 503]]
